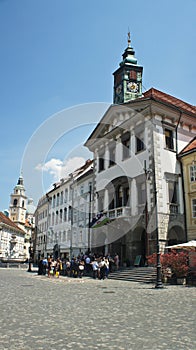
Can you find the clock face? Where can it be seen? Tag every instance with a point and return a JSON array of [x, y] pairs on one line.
[[118, 89], [132, 87]]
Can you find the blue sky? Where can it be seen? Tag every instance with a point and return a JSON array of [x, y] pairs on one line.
[[59, 54]]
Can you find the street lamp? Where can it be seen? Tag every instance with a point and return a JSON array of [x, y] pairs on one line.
[[89, 216], [30, 255], [148, 172], [72, 203], [158, 284]]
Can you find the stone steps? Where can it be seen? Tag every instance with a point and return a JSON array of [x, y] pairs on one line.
[[135, 274]]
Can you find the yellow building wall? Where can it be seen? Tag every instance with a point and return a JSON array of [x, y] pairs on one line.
[[190, 194]]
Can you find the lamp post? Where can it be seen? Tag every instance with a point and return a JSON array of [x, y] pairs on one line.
[[158, 284], [89, 217], [71, 231], [30, 255], [148, 172], [147, 175]]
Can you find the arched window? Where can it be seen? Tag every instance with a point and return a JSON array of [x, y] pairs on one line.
[[61, 215], [65, 214], [15, 202], [22, 204]]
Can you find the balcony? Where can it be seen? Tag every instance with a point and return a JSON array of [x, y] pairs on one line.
[[118, 212], [173, 208]]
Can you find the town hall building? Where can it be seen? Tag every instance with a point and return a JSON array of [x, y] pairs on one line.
[[138, 179], [136, 197]]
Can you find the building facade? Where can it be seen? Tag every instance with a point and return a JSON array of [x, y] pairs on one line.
[[21, 212], [62, 216], [187, 158], [12, 239], [138, 177], [134, 185]]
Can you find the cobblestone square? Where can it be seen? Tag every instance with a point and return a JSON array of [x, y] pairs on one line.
[[42, 313]]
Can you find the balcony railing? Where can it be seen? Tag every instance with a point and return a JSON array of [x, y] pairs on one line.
[[173, 208], [118, 212]]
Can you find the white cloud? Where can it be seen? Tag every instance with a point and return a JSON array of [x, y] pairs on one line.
[[59, 169]]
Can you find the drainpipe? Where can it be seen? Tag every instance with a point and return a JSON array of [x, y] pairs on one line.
[[183, 193], [181, 170]]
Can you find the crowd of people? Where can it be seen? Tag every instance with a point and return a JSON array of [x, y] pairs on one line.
[[92, 265]]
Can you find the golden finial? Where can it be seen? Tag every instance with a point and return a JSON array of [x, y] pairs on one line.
[[129, 38]]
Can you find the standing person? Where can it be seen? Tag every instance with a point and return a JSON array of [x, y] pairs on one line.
[[45, 264], [58, 267], [87, 264], [68, 268], [81, 268], [49, 265], [107, 269], [111, 262], [116, 261], [95, 267], [102, 266], [40, 267], [52, 268]]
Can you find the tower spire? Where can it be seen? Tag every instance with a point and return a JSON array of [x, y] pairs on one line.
[[129, 38], [128, 77]]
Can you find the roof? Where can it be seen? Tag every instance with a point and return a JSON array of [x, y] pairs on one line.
[[189, 148], [7, 221], [154, 95], [84, 168], [171, 100]]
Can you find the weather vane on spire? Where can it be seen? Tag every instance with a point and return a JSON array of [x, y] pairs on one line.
[[129, 38]]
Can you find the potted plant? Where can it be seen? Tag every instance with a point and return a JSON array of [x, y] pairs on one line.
[[180, 266], [174, 266]]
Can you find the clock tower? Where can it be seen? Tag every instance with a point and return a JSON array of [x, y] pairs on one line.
[[128, 77]]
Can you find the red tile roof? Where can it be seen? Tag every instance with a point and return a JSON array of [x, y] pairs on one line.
[[190, 147], [165, 98], [5, 220]]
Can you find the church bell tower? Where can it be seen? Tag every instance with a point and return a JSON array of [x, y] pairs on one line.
[[128, 77], [18, 204]]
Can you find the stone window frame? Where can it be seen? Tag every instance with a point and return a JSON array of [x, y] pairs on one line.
[[112, 153], [126, 140], [192, 172], [140, 140], [101, 160], [169, 140], [193, 207]]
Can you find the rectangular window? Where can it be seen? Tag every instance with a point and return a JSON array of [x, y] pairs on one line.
[[126, 145], [169, 142], [140, 142], [173, 197], [172, 192], [57, 217], [65, 214], [70, 214], [75, 215], [141, 193], [193, 173], [101, 162], [194, 208], [66, 195], [112, 151]]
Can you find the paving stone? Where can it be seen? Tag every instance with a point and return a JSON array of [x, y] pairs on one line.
[[41, 313]]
